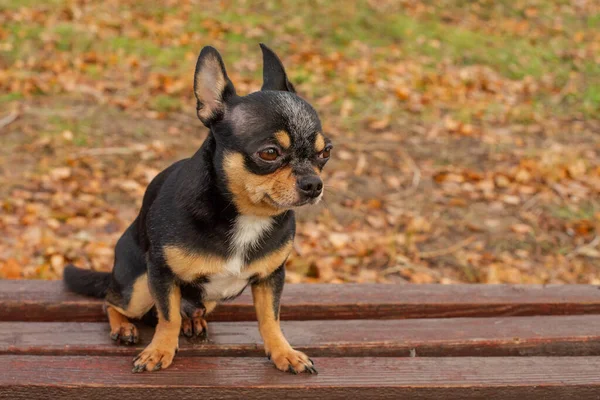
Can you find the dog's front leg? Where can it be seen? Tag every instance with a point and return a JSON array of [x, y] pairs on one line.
[[167, 296], [266, 294]]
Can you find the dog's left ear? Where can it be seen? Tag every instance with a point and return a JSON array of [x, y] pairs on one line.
[[212, 86], [274, 76]]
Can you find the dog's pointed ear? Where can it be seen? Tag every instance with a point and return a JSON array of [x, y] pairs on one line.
[[274, 76], [212, 86]]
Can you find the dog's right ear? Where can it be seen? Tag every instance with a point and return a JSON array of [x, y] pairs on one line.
[[212, 86]]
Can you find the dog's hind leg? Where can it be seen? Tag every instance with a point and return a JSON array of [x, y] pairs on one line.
[[120, 308], [121, 330], [128, 293]]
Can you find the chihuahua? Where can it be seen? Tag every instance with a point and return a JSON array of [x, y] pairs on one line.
[[212, 224]]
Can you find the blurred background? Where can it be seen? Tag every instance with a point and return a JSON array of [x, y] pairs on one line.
[[466, 132]]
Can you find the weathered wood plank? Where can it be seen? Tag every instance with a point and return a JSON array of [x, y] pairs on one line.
[[49, 301], [107, 378], [504, 336]]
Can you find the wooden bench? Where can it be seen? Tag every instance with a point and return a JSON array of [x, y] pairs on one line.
[[367, 341]]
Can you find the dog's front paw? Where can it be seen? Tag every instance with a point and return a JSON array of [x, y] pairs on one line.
[[154, 358], [293, 361], [125, 333], [195, 327]]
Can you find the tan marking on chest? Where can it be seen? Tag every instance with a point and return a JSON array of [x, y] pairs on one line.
[[265, 266], [189, 266]]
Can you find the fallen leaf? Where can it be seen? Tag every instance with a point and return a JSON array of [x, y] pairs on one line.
[[60, 173], [10, 269], [521, 228], [339, 240]]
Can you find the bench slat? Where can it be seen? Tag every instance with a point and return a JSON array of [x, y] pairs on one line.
[[339, 378], [508, 336], [49, 301]]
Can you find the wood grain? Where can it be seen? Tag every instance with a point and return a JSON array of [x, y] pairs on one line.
[[505, 336], [107, 378], [49, 301]]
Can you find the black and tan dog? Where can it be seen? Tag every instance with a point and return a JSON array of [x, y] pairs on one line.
[[221, 220]]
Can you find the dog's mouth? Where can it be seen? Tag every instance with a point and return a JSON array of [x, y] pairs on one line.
[[269, 200]]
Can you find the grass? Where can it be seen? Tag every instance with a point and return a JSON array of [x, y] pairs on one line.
[[5, 98], [134, 46], [332, 27], [81, 127], [165, 103], [513, 57], [591, 100], [583, 212], [22, 38], [16, 4], [593, 21]]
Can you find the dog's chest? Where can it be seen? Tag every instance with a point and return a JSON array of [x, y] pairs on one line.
[[247, 233]]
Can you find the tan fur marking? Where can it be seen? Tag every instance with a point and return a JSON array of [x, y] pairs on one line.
[[166, 337], [264, 266], [283, 138], [141, 300], [120, 328], [188, 266], [319, 143], [115, 318], [250, 190], [209, 306], [166, 327], [276, 345], [283, 186], [268, 325]]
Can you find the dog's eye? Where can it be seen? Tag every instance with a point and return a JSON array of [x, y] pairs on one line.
[[325, 153], [269, 154]]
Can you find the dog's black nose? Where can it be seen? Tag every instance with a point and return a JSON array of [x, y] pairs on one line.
[[310, 185]]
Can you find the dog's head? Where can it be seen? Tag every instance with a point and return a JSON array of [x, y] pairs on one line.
[[270, 144]]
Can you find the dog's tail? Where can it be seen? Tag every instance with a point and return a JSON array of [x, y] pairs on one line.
[[86, 282]]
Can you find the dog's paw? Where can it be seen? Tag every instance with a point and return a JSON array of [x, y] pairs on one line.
[[187, 329], [200, 328], [293, 361], [154, 358], [195, 327], [125, 333]]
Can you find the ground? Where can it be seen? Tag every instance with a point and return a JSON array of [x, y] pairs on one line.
[[466, 133]]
